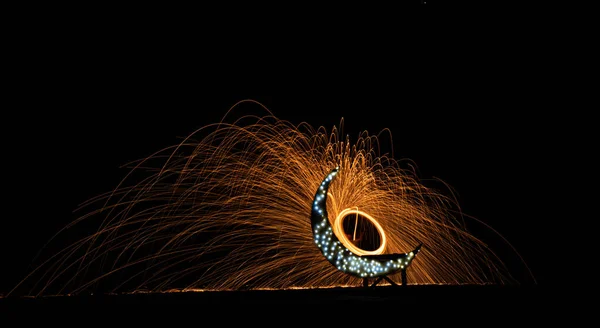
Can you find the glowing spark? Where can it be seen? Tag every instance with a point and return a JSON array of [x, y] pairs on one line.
[[229, 211]]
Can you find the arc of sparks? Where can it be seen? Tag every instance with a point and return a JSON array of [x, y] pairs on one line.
[[226, 209], [337, 253]]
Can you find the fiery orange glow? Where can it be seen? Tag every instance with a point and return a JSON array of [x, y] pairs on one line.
[[340, 232], [229, 208]]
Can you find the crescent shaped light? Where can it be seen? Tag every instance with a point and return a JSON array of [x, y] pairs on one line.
[[336, 252]]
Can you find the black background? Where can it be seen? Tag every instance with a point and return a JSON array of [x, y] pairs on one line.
[[494, 123]]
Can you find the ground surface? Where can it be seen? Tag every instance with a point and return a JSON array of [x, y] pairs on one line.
[[383, 302]]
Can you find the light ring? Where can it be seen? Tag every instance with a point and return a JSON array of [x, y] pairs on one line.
[[339, 232]]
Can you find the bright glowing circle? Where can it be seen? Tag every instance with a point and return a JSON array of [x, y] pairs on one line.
[[339, 232]]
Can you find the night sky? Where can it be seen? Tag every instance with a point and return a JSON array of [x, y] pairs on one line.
[[494, 142]]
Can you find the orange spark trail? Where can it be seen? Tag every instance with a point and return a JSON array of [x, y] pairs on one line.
[[229, 207]]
